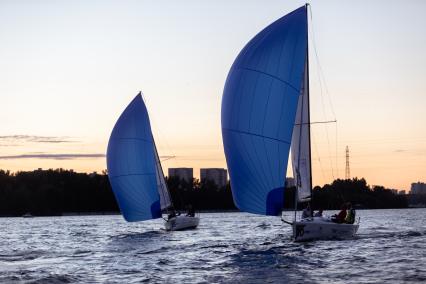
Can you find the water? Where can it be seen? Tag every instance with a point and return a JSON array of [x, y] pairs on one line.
[[226, 248]]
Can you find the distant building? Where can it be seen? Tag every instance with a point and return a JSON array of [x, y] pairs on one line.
[[401, 192], [217, 175], [418, 188], [186, 174], [290, 182]]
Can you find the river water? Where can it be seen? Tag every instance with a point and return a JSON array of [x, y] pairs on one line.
[[226, 248]]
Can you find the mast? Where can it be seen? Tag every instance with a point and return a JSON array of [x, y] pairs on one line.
[[304, 92], [309, 108]]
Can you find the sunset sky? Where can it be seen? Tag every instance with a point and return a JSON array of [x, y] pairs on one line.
[[69, 68]]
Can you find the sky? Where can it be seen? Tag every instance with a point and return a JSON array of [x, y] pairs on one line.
[[69, 68]]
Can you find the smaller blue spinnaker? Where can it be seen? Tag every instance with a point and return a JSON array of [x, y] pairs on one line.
[[132, 165], [258, 112]]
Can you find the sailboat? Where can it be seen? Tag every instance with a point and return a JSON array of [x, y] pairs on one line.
[[265, 113], [135, 172]]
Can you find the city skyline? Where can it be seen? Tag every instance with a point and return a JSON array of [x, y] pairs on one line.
[[69, 70]]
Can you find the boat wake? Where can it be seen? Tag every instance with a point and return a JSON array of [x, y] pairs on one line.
[[397, 235]]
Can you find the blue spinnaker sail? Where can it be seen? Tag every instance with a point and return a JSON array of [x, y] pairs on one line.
[[132, 166], [258, 112]]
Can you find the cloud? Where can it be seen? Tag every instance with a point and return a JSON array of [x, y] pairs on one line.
[[53, 156], [35, 139]]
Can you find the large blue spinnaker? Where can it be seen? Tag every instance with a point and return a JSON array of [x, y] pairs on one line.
[[132, 165], [258, 112]]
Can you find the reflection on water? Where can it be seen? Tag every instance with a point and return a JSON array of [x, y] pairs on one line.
[[226, 248]]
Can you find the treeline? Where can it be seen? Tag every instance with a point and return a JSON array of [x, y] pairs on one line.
[[55, 192], [356, 191], [201, 195]]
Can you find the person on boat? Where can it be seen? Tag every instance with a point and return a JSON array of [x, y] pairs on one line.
[[350, 214], [319, 213], [340, 218], [307, 213], [173, 214], [191, 211]]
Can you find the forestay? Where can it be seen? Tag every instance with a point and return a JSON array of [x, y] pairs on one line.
[[131, 164], [258, 111]]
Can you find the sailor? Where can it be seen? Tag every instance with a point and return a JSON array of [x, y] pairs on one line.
[[340, 218], [307, 213], [319, 213], [191, 212], [350, 214], [172, 214]]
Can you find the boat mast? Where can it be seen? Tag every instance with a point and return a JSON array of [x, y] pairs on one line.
[[309, 108], [305, 92]]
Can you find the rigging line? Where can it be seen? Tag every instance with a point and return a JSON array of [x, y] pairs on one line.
[[321, 91], [317, 152], [316, 122], [159, 163], [162, 137], [319, 65], [167, 158]]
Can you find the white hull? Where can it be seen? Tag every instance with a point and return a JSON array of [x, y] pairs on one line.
[[181, 223], [319, 228]]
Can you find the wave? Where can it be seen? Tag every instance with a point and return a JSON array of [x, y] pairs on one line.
[[391, 234], [22, 255], [263, 225], [35, 277], [82, 253], [138, 235], [55, 279]]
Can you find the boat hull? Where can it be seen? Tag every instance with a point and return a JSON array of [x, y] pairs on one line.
[[179, 223], [319, 228]]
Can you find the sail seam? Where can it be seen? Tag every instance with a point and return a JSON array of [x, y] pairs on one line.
[[269, 75], [263, 130], [147, 174], [140, 139], [253, 134], [260, 182]]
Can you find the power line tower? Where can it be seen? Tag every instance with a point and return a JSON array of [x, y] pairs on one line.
[[347, 170]]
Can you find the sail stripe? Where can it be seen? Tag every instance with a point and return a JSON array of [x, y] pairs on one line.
[[259, 183], [269, 75], [135, 174], [254, 134], [131, 138]]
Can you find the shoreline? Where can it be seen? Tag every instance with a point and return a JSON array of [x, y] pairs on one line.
[[71, 214]]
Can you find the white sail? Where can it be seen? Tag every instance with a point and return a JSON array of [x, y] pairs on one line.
[[300, 145], [165, 199]]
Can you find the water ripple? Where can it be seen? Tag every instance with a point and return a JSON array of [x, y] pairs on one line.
[[226, 248]]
